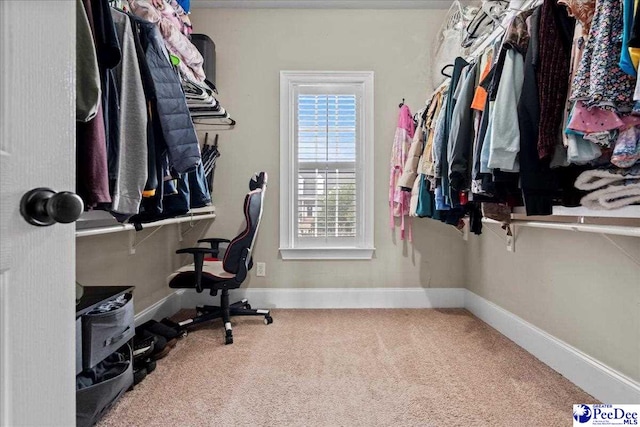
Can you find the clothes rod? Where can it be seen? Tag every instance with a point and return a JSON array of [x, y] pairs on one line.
[[123, 227], [618, 230]]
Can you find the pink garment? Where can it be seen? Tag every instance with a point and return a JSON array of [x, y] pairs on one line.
[[171, 15], [593, 120], [399, 201], [630, 121], [183, 21], [177, 43]]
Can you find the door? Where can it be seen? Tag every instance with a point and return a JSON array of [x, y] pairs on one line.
[[37, 264]]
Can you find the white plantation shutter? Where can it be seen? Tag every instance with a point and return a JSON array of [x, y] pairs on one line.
[[326, 165]]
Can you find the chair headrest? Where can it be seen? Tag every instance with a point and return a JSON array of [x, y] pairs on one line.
[[258, 181]]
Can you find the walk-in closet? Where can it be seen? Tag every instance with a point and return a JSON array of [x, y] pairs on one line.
[[319, 213]]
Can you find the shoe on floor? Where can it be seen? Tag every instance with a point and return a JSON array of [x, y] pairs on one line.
[[139, 375], [161, 349], [143, 346], [160, 329], [150, 364]]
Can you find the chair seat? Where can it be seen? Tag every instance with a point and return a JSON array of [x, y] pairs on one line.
[[212, 273]]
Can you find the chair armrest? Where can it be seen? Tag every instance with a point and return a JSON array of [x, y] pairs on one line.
[[198, 261], [214, 242], [197, 251]]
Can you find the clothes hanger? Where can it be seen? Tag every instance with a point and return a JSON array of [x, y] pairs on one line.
[[444, 68], [401, 104], [415, 117]]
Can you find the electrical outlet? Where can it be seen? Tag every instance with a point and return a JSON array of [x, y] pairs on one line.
[[261, 269]]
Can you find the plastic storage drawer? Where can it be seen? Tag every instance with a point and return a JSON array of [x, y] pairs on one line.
[[104, 333], [92, 402]]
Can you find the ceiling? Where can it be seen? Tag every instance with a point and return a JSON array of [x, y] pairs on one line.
[[323, 4]]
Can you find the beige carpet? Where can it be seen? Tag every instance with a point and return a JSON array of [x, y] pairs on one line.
[[350, 368]]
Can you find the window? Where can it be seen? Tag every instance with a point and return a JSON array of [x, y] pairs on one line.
[[326, 165]]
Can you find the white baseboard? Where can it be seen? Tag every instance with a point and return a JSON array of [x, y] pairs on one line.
[[340, 297], [597, 379], [166, 307]]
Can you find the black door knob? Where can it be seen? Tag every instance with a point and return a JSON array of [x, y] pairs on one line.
[[43, 206]]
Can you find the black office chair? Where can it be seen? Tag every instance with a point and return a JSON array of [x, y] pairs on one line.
[[210, 273]]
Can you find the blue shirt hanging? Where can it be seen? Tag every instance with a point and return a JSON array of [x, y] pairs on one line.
[[185, 4]]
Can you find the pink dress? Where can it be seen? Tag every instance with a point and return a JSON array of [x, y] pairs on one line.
[[399, 201]]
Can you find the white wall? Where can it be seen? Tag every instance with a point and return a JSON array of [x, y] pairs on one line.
[[252, 47], [576, 286]]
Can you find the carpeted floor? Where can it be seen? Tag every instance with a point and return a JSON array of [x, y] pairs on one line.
[[350, 368]]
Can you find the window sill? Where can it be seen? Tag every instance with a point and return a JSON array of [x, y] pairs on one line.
[[327, 253]]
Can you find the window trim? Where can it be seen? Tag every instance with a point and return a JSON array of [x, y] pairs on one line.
[[289, 80]]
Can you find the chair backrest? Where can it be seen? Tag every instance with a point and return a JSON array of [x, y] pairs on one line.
[[252, 215]]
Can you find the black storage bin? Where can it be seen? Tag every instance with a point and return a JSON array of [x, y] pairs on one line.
[[92, 402], [207, 49], [104, 333]]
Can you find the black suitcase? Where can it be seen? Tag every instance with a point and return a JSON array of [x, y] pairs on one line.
[[207, 49]]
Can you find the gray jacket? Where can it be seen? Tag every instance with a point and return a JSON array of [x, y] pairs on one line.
[[132, 154]]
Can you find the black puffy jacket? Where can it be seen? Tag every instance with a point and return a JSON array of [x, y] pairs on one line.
[[173, 114]]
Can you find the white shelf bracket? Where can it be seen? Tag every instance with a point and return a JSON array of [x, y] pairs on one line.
[[133, 245], [180, 235], [132, 242], [465, 230]]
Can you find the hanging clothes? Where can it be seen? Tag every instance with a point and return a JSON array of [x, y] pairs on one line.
[[460, 145], [634, 37], [399, 201], [480, 96], [410, 169], [176, 42], [175, 125], [626, 62], [427, 161], [88, 91], [599, 81], [109, 56], [505, 138], [92, 177], [536, 178], [131, 172], [459, 65], [556, 39]]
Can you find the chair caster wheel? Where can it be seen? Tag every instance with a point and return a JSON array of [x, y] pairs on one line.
[[184, 334], [247, 306], [268, 320], [228, 340]]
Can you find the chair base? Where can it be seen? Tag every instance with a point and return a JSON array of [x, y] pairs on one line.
[[225, 311]]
